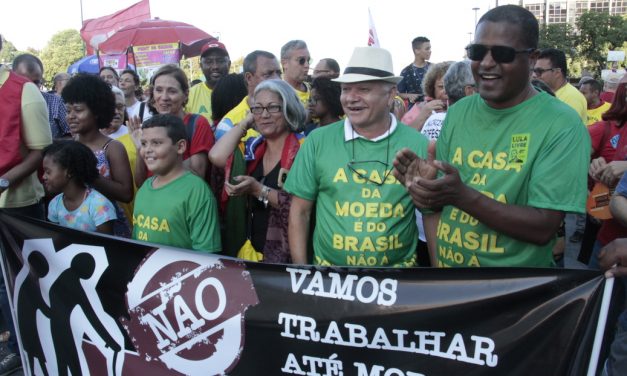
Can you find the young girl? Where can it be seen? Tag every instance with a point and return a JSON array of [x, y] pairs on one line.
[[90, 107], [70, 169]]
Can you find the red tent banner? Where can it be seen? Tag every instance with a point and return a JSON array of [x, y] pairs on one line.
[[97, 30]]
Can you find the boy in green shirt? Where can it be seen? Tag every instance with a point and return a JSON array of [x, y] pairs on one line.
[[174, 207]]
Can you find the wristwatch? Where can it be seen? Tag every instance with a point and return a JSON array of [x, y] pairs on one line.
[[263, 196], [4, 183]]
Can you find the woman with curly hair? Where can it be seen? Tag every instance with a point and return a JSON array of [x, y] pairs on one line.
[[90, 107], [69, 170]]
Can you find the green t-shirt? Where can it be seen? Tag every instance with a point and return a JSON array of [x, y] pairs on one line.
[[533, 154], [183, 214], [357, 222]]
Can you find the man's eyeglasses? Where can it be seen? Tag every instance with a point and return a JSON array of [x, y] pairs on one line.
[[302, 60], [540, 71], [272, 109], [500, 54]]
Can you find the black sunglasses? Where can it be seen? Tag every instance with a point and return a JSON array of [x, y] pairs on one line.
[[500, 54], [302, 60]]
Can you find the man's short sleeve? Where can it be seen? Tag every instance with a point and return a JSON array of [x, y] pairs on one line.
[[302, 180], [35, 125], [203, 220], [562, 162]]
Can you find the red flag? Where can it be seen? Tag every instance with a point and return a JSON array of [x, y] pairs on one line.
[[97, 30]]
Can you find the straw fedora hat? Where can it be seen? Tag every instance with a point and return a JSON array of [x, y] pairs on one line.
[[369, 64]]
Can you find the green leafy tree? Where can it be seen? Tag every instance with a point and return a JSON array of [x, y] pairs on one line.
[[599, 32], [560, 36], [63, 49], [191, 66], [8, 53]]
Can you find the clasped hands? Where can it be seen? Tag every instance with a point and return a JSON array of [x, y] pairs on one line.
[[419, 176]]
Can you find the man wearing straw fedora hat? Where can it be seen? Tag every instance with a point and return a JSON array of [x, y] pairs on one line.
[[364, 216], [511, 161]]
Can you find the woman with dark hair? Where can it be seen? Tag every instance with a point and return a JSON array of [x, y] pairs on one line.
[[90, 105], [254, 204], [169, 92], [129, 84], [609, 154], [324, 103], [110, 76], [228, 93]]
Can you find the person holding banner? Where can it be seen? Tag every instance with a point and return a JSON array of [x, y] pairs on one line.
[[507, 172], [613, 260], [173, 207], [364, 217]]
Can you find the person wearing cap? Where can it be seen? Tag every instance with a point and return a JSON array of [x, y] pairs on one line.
[[295, 60], [509, 163], [364, 217], [215, 64]]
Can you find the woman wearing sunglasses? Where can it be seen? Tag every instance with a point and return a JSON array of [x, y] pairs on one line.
[[255, 207]]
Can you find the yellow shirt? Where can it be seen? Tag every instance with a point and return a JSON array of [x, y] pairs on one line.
[[572, 97], [199, 101], [232, 118], [594, 114], [131, 151], [36, 135], [304, 95]]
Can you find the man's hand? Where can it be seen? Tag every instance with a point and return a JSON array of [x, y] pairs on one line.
[[407, 165], [596, 168], [612, 172], [613, 258], [436, 193]]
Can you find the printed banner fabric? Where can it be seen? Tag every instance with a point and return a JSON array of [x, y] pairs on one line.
[[100, 305]]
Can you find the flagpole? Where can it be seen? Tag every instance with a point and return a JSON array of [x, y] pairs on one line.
[[84, 48], [598, 338]]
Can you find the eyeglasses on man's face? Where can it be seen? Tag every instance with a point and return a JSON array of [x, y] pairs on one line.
[[500, 54], [272, 109], [540, 71], [303, 59]]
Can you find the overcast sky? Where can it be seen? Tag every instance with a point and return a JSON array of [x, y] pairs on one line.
[[331, 28]]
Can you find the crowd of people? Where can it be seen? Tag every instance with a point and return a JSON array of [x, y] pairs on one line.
[[453, 164]]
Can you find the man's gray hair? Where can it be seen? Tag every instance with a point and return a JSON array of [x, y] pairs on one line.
[[292, 45], [457, 77], [117, 91], [292, 107]]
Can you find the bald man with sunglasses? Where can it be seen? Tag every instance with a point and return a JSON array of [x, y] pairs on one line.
[[509, 163]]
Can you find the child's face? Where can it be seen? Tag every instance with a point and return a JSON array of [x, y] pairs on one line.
[[55, 177], [80, 118], [160, 154]]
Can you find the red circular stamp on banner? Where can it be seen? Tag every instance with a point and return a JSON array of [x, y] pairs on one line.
[[187, 311]]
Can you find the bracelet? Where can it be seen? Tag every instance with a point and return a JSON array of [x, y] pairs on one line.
[[263, 196]]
